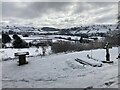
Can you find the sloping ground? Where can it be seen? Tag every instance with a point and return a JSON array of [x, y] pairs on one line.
[[61, 71], [0, 74], [8, 53]]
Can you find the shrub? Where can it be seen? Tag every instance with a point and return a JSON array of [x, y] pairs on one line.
[[5, 38], [64, 46], [18, 42]]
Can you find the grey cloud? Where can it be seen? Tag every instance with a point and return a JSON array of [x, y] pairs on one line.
[[80, 7], [119, 13], [0, 10], [95, 9], [33, 10], [107, 18], [102, 4], [10, 10], [87, 6]]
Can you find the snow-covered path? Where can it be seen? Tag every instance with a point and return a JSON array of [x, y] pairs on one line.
[[61, 71]]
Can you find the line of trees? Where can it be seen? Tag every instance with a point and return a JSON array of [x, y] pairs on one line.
[[65, 46], [17, 42]]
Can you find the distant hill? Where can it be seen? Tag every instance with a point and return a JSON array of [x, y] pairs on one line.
[[71, 30], [49, 29]]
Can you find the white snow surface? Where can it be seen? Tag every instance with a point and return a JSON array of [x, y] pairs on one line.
[[33, 51], [61, 71]]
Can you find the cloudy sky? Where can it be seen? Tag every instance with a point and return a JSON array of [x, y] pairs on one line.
[[59, 14]]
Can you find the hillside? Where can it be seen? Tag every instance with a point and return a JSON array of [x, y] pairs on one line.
[[62, 71], [49, 30]]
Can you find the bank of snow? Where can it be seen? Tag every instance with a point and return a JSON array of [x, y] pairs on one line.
[[8, 53], [61, 71]]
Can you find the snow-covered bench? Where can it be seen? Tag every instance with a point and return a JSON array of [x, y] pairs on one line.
[[22, 57]]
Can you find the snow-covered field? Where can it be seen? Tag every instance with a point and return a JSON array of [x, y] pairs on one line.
[[62, 71], [8, 53], [0, 63]]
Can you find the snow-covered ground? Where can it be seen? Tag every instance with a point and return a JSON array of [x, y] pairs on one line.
[[62, 71], [53, 37], [0, 63], [33, 51]]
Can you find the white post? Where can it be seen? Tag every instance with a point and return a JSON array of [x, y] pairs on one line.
[[91, 53], [91, 50]]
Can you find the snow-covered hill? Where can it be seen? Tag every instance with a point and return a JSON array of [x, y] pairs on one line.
[[62, 71], [76, 30], [97, 29]]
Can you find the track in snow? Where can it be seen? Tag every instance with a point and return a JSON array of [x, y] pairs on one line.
[[89, 62]]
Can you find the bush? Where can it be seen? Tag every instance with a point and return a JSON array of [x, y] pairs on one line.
[[25, 35], [5, 38], [18, 42], [64, 46]]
